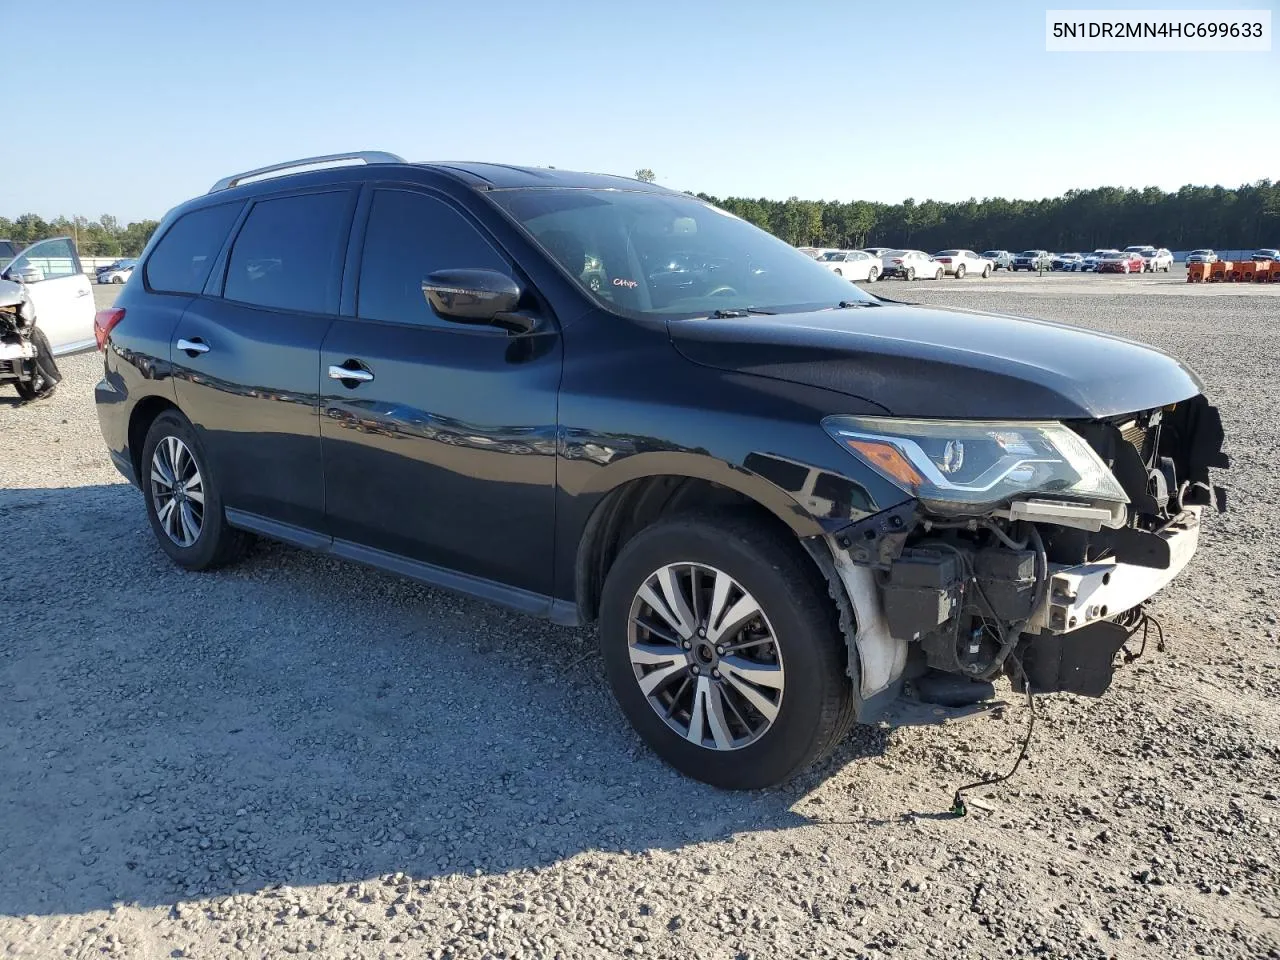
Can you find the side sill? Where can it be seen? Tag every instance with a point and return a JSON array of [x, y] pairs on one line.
[[512, 598], [80, 346], [562, 612], [285, 532]]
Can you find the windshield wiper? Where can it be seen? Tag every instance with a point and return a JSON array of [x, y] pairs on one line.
[[846, 304], [740, 312]]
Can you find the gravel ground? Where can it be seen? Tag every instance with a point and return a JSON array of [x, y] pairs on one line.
[[300, 755]]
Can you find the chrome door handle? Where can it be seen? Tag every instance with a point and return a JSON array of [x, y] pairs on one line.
[[343, 373], [193, 346]]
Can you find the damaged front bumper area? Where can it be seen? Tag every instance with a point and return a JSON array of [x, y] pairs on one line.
[[1041, 589]]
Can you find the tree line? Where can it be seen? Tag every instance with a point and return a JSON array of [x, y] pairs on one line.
[[104, 237], [1190, 217]]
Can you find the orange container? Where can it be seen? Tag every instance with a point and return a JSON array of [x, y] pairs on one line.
[[1220, 271], [1244, 271], [1197, 272], [1264, 271]]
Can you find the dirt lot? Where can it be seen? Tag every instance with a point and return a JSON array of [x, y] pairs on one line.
[[300, 755]]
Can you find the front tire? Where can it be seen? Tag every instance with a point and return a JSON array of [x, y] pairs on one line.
[[724, 652], [873, 275], [911, 273], [940, 274], [986, 272], [183, 501], [960, 272]]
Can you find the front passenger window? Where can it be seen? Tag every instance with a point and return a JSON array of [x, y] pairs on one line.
[[409, 236]]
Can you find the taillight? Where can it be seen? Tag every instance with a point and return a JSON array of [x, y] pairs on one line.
[[104, 321], [897, 261]]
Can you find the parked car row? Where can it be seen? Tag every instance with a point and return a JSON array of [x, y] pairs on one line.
[[1208, 256], [879, 263]]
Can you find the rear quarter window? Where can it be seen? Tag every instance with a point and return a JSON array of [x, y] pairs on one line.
[[184, 256]]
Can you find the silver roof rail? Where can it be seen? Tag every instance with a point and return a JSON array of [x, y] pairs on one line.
[[368, 156]]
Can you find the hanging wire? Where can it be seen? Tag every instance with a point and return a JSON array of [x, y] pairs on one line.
[[958, 806]]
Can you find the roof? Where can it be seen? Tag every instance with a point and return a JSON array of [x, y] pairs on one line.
[[499, 176], [481, 176]]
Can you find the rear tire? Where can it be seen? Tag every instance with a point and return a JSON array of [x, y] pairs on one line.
[[986, 272], [873, 275], [960, 272], [803, 661], [940, 274], [193, 530], [911, 273]]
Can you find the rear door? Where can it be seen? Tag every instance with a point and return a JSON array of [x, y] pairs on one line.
[[444, 452], [59, 291], [246, 354]]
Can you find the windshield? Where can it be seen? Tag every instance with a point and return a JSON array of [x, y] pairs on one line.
[[834, 255], [947, 253], [671, 255], [992, 254], [1030, 253]]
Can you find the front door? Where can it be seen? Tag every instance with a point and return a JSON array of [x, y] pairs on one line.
[[440, 445], [245, 362], [59, 292]]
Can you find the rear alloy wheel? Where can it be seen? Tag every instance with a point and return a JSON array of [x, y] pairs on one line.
[[722, 648], [183, 504], [873, 275], [960, 272], [911, 273]]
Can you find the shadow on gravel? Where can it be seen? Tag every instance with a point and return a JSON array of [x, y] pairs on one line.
[[297, 719]]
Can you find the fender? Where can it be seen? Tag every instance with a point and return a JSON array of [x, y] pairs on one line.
[[777, 500]]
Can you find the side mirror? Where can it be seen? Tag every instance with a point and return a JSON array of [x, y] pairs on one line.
[[24, 274], [472, 296]]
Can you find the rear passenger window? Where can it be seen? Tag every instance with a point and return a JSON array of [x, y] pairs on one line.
[[182, 259], [289, 253], [409, 236]]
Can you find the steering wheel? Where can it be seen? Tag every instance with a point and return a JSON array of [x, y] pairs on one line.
[[723, 292]]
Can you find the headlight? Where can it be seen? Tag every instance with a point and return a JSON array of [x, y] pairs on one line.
[[968, 466]]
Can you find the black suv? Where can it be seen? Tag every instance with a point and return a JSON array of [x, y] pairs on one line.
[[789, 504]]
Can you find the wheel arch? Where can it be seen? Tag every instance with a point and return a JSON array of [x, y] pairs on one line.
[[144, 414], [637, 498]]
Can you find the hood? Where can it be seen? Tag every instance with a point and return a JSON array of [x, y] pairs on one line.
[[11, 294], [961, 364]]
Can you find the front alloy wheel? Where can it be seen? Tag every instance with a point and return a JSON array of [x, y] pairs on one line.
[[723, 649], [705, 656]]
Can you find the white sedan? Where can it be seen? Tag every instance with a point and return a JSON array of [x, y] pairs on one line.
[[957, 263], [851, 264], [119, 273], [910, 265]]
